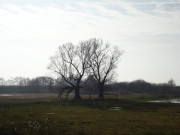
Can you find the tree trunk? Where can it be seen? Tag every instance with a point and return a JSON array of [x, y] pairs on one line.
[[101, 92], [77, 94]]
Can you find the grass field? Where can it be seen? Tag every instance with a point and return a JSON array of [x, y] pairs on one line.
[[46, 116]]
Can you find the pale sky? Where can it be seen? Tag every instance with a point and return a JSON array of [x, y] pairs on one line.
[[147, 31]]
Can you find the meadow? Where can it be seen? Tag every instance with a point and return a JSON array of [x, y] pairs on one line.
[[125, 115]]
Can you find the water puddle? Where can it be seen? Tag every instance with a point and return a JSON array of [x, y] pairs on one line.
[[114, 108], [49, 113], [166, 101], [6, 95]]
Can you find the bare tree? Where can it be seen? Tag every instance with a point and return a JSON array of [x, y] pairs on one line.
[[2, 81], [103, 61], [20, 81], [70, 63]]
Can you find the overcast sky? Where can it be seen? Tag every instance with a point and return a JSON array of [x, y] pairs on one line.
[[148, 32]]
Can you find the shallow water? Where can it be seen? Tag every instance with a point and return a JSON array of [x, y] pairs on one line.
[[6, 95], [114, 108], [166, 101]]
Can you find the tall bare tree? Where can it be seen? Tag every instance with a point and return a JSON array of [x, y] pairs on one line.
[[70, 63], [103, 61]]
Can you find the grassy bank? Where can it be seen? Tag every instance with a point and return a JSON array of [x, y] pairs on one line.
[[95, 117]]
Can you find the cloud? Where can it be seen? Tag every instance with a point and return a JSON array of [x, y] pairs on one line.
[[61, 23], [31, 31], [82, 20], [85, 15]]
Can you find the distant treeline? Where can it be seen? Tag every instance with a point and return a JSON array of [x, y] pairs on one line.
[[50, 85], [137, 86], [25, 85], [141, 86], [23, 89]]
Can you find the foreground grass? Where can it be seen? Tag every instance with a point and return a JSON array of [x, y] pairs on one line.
[[94, 117]]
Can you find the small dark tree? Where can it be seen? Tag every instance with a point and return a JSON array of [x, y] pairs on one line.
[[102, 62], [171, 83], [91, 86]]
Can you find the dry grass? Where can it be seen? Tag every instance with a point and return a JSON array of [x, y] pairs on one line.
[[34, 116]]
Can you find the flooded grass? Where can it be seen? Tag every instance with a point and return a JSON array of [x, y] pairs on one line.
[[135, 116]]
